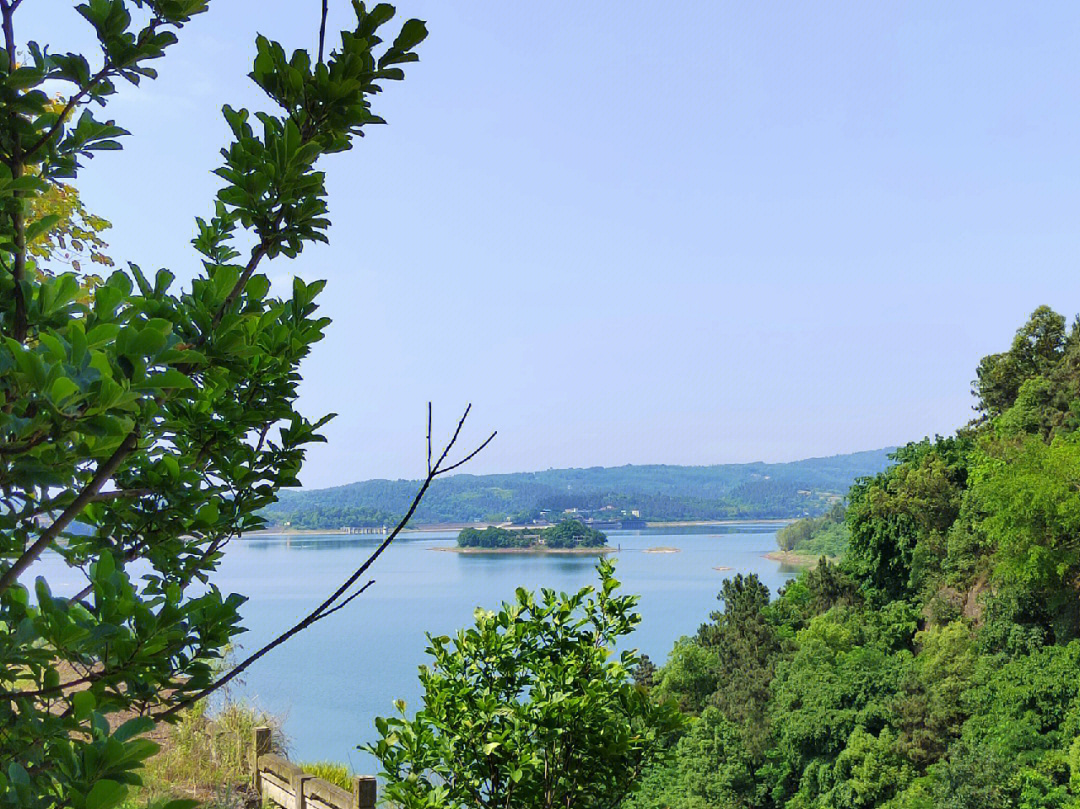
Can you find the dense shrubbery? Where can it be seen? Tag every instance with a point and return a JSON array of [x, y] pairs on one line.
[[530, 708], [938, 664], [567, 534], [826, 535]]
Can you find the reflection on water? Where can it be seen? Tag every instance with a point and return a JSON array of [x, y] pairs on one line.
[[330, 681]]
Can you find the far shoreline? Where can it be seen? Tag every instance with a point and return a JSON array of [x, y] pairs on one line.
[[537, 551], [289, 533]]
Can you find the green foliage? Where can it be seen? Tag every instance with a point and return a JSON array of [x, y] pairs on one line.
[[142, 426], [689, 676], [708, 768], [1027, 495], [827, 535], [930, 706], [938, 663], [567, 534], [1037, 348], [530, 707], [902, 516], [573, 534], [494, 537], [746, 646]]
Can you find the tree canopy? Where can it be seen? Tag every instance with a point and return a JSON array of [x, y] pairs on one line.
[[143, 425], [938, 663]]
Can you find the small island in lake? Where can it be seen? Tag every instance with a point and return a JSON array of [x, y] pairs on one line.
[[569, 536]]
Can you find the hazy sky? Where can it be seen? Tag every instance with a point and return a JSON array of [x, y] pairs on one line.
[[683, 233]]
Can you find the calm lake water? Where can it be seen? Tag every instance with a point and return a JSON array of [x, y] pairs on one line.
[[329, 682]]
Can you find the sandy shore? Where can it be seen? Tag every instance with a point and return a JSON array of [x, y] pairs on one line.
[[661, 549], [793, 558]]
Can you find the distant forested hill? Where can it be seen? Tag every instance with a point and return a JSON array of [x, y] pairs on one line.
[[657, 492]]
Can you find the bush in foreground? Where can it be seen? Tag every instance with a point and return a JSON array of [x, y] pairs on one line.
[[531, 708]]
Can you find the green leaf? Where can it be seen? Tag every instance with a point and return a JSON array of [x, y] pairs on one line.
[[40, 226], [133, 727], [83, 702], [412, 34], [208, 513], [105, 794], [61, 388]]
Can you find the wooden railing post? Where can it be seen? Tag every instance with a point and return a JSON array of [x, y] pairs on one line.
[[364, 791], [260, 746], [299, 780]]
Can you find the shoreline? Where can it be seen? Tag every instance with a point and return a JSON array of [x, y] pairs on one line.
[[795, 558], [288, 533], [530, 551], [707, 523]]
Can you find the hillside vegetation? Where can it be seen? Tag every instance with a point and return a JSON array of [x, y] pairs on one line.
[[937, 665], [658, 492], [826, 535]]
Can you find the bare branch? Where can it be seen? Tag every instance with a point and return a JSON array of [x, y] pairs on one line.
[[350, 598], [120, 494], [333, 603], [470, 456], [18, 214], [454, 437], [322, 30], [105, 471]]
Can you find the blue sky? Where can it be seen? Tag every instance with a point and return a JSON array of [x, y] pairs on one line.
[[682, 233]]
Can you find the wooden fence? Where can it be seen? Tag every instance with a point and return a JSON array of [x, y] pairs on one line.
[[280, 782]]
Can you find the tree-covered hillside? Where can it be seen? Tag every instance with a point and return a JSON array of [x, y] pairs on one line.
[[658, 492], [937, 665]]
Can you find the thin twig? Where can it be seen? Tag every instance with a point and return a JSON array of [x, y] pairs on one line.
[[322, 30], [18, 213], [119, 494], [332, 604], [104, 472], [471, 455], [347, 600]]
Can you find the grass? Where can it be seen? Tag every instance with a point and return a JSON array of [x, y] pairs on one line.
[[331, 771], [208, 758], [205, 758]]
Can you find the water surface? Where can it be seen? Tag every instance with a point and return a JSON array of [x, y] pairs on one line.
[[329, 682]]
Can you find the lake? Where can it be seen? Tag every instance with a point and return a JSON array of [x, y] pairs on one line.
[[329, 682]]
